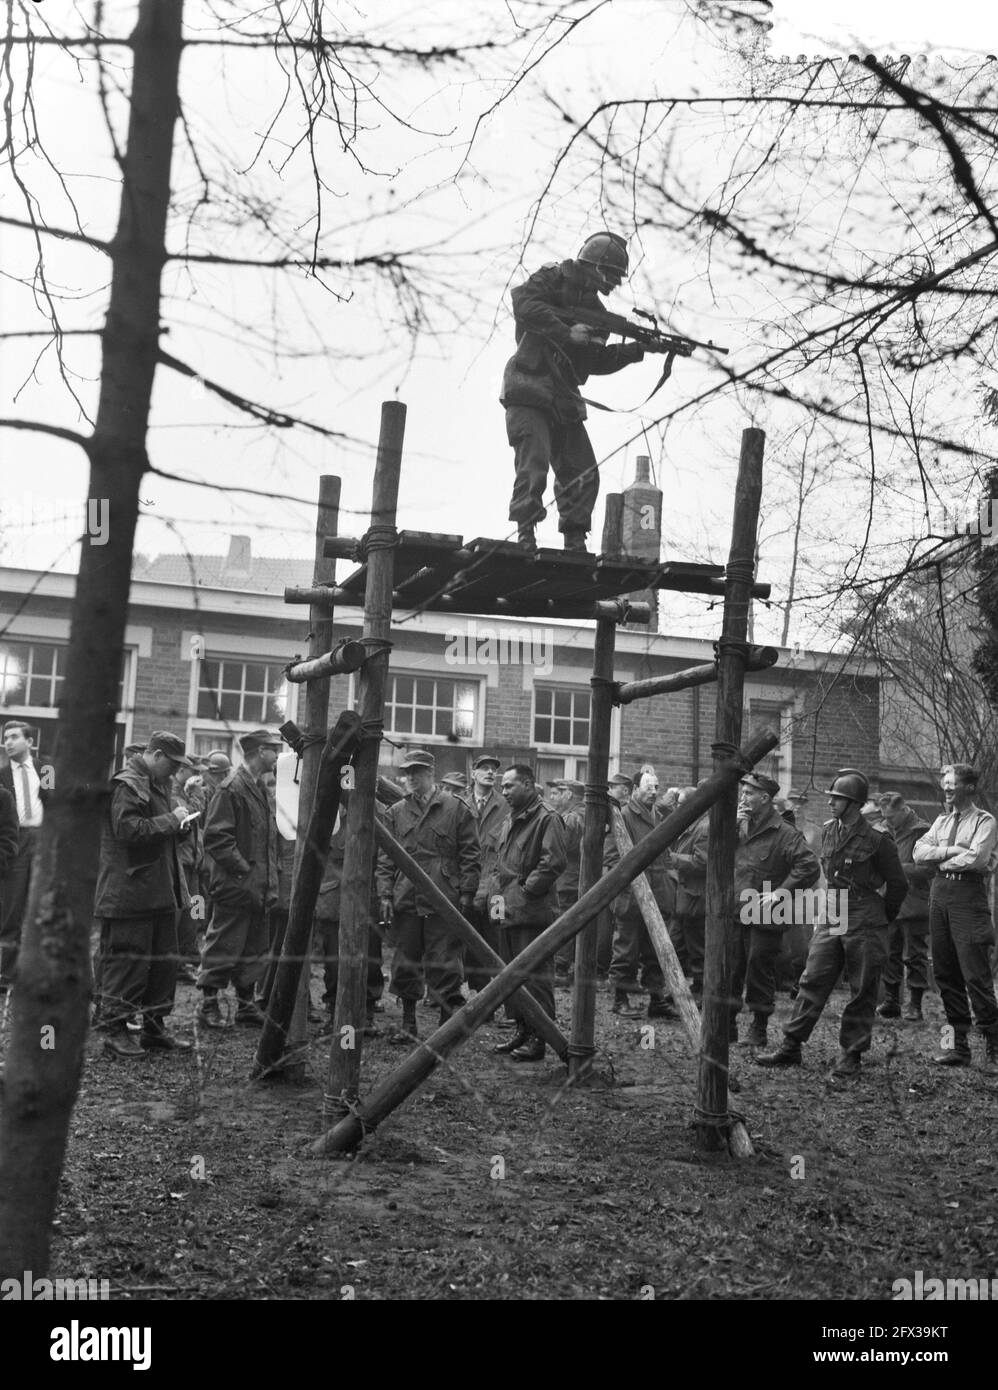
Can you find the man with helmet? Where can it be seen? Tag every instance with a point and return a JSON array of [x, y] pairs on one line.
[[540, 389], [858, 862]]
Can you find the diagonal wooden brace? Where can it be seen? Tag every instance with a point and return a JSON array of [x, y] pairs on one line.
[[483, 953], [424, 1059]]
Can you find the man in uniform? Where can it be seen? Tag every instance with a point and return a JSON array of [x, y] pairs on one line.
[[240, 841], [565, 796], [140, 891], [858, 862], [439, 832], [963, 843], [770, 856], [689, 861], [540, 390], [632, 946], [188, 791], [521, 873], [454, 784], [908, 936], [21, 778], [489, 812]]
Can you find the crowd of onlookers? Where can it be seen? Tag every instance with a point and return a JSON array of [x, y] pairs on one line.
[[197, 858]]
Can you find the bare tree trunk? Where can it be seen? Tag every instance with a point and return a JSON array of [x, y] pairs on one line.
[[49, 1001]]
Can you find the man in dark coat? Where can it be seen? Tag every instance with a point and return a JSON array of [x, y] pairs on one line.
[[439, 833], [23, 780], [140, 890], [864, 874], [188, 791], [633, 952], [522, 872], [771, 857], [327, 926], [908, 935], [688, 861], [489, 812], [566, 797], [540, 389], [240, 843]]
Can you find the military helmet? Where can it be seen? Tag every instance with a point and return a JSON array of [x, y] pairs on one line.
[[607, 251], [852, 785]]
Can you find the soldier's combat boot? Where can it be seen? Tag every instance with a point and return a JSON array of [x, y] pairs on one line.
[[847, 1066], [248, 1011], [526, 539], [521, 1036], [958, 1055], [913, 1009], [210, 1014], [758, 1034], [622, 1005], [120, 1043], [661, 1006], [532, 1050], [575, 539], [786, 1055], [990, 1062], [890, 1008]]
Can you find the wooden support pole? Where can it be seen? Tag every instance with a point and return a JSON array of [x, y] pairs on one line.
[[483, 954], [346, 656], [613, 524], [759, 659], [315, 726], [343, 1076], [583, 1044], [738, 1137], [711, 1115], [423, 1060]]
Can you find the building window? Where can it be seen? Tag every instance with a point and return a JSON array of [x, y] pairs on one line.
[[242, 692], [561, 716], [426, 707], [31, 677], [550, 769], [774, 714]]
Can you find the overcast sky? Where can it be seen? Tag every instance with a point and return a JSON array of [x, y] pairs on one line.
[[457, 469]]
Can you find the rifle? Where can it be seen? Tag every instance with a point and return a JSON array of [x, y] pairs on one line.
[[652, 339]]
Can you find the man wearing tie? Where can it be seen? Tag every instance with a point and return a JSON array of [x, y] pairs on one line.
[[963, 843], [490, 813], [20, 777]]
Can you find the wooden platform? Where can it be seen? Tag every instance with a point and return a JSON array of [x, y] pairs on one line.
[[444, 573]]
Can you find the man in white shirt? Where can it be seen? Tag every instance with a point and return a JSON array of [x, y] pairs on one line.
[[22, 780], [963, 842]]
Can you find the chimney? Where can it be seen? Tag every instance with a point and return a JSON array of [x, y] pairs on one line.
[[236, 569], [641, 530]]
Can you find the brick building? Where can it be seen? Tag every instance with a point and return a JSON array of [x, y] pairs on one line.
[[208, 636]]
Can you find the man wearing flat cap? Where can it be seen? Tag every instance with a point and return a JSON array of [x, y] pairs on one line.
[[454, 784], [770, 857], [490, 813], [240, 845], [140, 890], [864, 873], [439, 833]]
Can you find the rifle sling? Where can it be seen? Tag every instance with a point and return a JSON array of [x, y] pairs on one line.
[[630, 410]]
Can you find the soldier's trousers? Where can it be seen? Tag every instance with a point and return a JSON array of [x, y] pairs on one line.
[[754, 952], [327, 942], [540, 441], [235, 948], [427, 946], [633, 954], [861, 954], [962, 936], [907, 947], [540, 982], [690, 928], [478, 976], [16, 887], [138, 966]]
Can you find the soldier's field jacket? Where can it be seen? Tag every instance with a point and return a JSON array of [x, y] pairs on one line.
[[140, 871], [442, 838], [862, 861], [640, 820], [689, 860], [769, 851], [906, 835], [567, 887], [240, 843], [525, 865]]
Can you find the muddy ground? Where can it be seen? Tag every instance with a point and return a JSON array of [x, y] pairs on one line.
[[185, 1180]]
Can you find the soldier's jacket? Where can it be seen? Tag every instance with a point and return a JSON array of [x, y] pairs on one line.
[[240, 843], [861, 862], [567, 887], [442, 838], [775, 853], [547, 368], [689, 860], [140, 871], [190, 846], [916, 904], [525, 866], [490, 820], [330, 890], [640, 820]]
